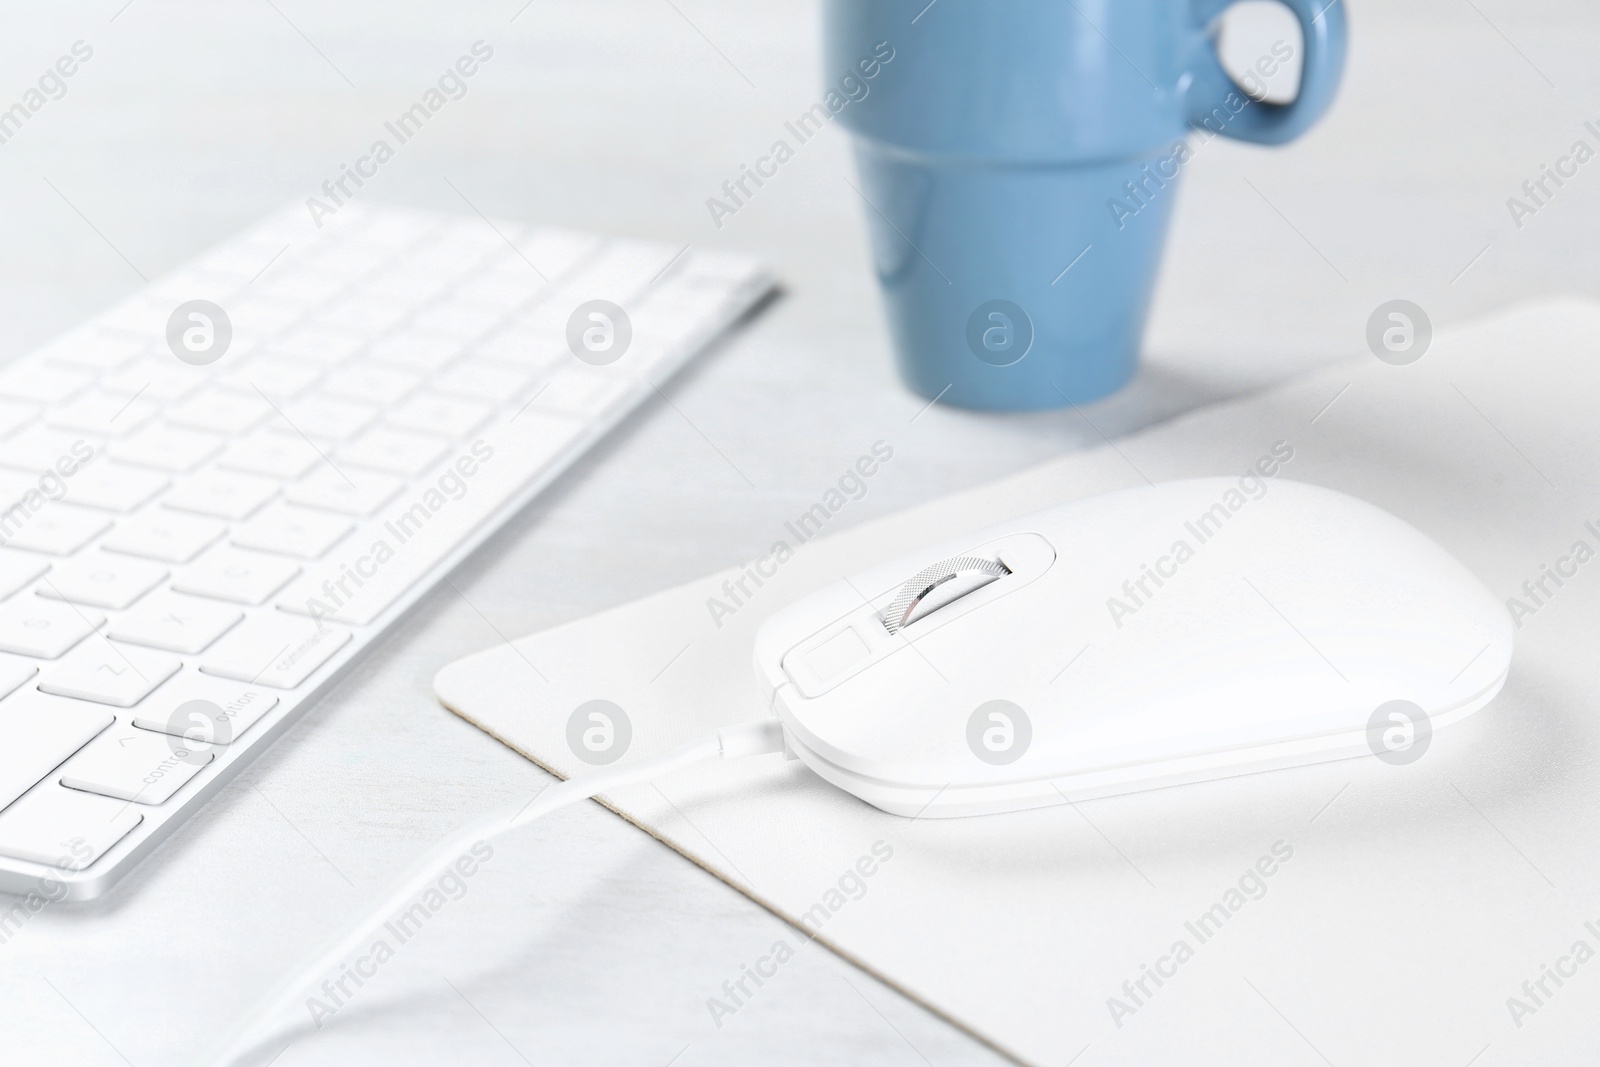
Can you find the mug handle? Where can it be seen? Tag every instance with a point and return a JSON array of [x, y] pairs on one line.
[[1323, 36]]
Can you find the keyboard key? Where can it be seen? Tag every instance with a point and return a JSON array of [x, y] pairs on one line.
[[175, 623], [222, 494], [14, 415], [164, 535], [452, 256], [460, 319], [417, 351], [224, 411], [168, 448], [235, 575], [40, 448], [42, 382], [357, 491], [276, 377], [108, 673], [59, 529], [40, 732], [502, 287], [620, 272], [104, 413], [525, 346], [17, 569], [583, 392], [366, 314], [402, 283], [209, 710], [280, 651], [328, 417], [485, 379], [272, 453], [102, 580], [292, 531], [320, 344], [372, 382], [115, 486], [42, 628], [161, 379], [14, 485], [520, 450], [13, 672], [302, 285], [397, 451], [135, 765], [259, 315], [64, 829], [431, 413]]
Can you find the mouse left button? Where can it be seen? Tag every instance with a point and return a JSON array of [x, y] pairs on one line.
[[835, 657]]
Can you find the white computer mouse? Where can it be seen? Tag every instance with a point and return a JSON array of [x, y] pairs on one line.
[[1149, 637]]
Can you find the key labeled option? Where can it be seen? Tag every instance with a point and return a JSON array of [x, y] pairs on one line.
[[205, 710]]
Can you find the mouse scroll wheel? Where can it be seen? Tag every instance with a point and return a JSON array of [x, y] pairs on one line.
[[943, 583]]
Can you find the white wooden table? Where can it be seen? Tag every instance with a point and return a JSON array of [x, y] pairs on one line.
[[589, 942]]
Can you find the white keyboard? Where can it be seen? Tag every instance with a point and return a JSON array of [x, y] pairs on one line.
[[207, 515]]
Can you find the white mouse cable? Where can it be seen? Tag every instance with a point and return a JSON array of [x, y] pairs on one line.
[[756, 738]]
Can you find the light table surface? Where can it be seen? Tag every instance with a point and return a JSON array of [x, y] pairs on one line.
[[589, 942]]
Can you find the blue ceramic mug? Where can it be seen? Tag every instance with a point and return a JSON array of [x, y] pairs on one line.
[[1018, 161]]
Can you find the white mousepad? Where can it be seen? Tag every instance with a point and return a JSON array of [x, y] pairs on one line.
[[1349, 912]]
